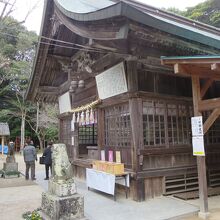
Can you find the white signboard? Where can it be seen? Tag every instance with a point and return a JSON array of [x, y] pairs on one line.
[[64, 103], [197, 126], [112, 82], [198, 146]]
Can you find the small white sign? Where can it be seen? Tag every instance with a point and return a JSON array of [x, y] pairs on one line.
[[64, 103], [198, 146], [197, 126]]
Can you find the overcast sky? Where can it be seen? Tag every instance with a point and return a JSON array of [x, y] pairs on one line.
[[34, 19]]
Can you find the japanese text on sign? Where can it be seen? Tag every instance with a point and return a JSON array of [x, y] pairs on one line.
[[197, 126]]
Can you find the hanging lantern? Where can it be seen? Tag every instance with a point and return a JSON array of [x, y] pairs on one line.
[[81, 84], [74, 84], [71, 90]]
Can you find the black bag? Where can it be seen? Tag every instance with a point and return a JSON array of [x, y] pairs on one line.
[[41, 161]]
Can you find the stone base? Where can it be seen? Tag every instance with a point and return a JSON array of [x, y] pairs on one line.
[[204, 215], [62, 189], [10, 170], [10, 167], [62, 208]]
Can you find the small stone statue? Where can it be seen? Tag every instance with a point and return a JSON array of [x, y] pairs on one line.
[[10, 156]]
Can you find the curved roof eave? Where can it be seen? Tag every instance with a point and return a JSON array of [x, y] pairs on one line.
[[190, 32], [29, 93]]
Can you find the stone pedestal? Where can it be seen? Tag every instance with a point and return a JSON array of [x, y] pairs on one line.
[[63, 208], [62, 189], [10, 170]]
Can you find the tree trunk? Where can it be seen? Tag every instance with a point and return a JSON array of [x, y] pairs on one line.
[[22, 131]]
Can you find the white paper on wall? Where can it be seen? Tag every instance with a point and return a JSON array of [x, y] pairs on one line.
[[64, 103], [198, 146], [112, 82]]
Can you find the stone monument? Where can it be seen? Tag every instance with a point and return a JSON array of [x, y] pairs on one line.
[[10, 168], [62, 201]]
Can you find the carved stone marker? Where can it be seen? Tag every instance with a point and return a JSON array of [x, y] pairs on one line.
[[10, 168], [62, 201]]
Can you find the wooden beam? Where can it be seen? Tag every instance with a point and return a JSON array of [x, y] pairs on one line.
[[106, 61], [215, 67], [206, 86], [180, 69], [190, 70], [211, 119], [132, 76], [201, 164], [209, 104], [191, 61], [51, 89]]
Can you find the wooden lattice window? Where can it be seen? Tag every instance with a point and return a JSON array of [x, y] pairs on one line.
[[117, 126], [178, 120], [166, 123], [153, 123], [88, 134], [172, 124]]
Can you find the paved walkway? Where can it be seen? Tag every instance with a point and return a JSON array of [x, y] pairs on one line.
[[15, 200]]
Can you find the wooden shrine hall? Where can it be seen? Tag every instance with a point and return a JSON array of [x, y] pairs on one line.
[[100, 60]]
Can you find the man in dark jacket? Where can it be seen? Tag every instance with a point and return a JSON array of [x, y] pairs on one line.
[[30, 155], [48, 159]]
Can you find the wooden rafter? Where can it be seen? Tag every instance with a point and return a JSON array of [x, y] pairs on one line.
[[209, 104], [206, 86], [189, 70], [211, 119]]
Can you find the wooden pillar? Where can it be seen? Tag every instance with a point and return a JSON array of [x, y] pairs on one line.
[[201, 164], [3, 144], [101, 131], [136, 117], [75, 135]]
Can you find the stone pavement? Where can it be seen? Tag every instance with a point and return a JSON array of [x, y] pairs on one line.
[[15, 200]]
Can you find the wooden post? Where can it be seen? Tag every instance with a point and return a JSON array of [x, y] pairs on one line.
[[75, 134], [3, 144], [101, 130], [201, 164], [136, 117]]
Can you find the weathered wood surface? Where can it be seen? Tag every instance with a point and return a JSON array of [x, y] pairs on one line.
[[201, 163]]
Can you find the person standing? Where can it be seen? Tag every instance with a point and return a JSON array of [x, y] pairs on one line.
[[30, 155], [48, 159]]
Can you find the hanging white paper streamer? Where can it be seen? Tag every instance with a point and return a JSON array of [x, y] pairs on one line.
[[91, 118], [78, 115], [82, 118], [95, 117], [87, 117], [73, 122]]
